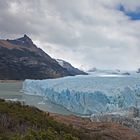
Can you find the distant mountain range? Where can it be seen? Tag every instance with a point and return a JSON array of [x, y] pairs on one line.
[[21, 59], [109, 72], [72, 70]]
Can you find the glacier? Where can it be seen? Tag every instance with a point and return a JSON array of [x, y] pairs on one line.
[[88, 94]]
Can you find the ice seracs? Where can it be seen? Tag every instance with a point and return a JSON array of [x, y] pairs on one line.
[[88, 94]]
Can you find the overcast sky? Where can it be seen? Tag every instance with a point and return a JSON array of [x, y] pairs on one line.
[[87, 33]]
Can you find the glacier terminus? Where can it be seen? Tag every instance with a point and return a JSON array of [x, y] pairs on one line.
[[88, 94]]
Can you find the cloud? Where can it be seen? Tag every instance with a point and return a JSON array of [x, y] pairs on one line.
[[83, 32]]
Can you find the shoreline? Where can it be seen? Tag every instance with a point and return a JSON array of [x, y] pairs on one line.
[[10, 81]]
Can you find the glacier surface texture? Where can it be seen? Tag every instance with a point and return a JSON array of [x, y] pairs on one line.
[[88, 95]]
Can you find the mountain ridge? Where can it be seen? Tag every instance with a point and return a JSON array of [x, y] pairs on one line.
[[22, 59], [70, 68]]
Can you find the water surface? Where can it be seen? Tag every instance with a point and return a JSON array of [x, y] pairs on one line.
[[11, 91]]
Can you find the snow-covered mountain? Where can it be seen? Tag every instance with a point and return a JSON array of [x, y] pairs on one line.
[[92, 70], [115, 73], [72, 70]]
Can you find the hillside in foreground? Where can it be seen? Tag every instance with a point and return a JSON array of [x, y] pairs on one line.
[[21, 122]]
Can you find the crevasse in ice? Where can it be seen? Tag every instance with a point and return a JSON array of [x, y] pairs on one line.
[[88, 94]]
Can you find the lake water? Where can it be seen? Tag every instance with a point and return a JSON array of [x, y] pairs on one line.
[[11, 91]]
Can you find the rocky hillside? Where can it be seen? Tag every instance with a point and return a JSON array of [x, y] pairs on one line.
[[72, 70], [21, 59], [99, 130], [20, 122]]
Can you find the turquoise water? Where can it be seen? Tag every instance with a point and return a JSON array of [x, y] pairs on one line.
[[11, 90]]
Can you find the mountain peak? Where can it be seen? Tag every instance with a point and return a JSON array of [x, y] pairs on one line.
[[26, 37], [23, 41]]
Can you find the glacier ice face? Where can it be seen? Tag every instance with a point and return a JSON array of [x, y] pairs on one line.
[[88, 94]]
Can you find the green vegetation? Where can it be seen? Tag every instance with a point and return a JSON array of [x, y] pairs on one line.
[[22, 122]]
